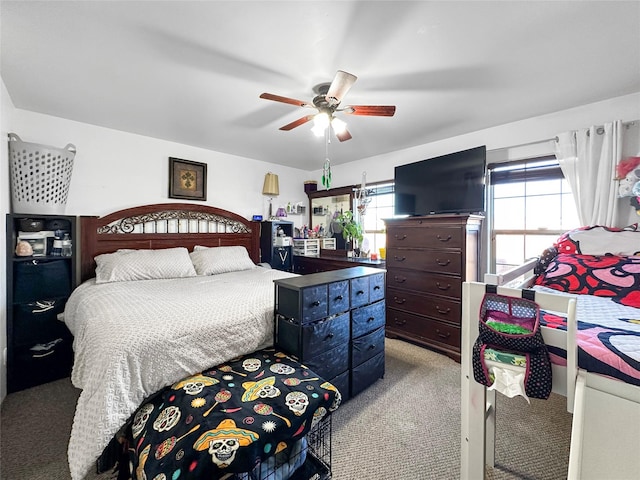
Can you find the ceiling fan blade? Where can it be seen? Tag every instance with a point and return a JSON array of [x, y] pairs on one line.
[[344, 135], [291, 101], [339, 87], [370, 110], [297, 123]]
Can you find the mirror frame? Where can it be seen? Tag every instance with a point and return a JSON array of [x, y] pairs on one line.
[[332, 192]]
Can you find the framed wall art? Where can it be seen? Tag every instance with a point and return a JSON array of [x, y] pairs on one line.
[[187, 179]]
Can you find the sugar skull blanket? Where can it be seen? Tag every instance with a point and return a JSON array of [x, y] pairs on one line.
[[229, 418], [133, 338]]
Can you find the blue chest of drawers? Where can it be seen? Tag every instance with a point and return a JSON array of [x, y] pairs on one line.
[[334, 323]]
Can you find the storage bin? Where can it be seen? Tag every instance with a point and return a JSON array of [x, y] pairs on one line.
[[40, 176], [37, 279]]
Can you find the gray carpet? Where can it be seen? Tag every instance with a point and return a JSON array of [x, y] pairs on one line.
[[406, 426]]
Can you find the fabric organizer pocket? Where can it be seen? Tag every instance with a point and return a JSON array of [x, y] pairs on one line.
[[509, 354]]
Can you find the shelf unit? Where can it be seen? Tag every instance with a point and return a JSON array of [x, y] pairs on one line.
[[39, 346], [279, 257]]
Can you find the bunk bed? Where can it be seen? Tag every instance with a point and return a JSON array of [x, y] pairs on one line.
[[587, 287], [168, 291]]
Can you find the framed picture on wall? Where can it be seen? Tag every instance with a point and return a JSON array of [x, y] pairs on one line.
[[187, 179]]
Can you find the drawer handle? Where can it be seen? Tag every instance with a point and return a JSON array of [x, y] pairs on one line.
[[400, 237], [399, 279], [443, 312], [377, 287], [399, 322], [443, 335], [440, 287], [443, 264], [339, 297], [399, 301], [370, 319], [315, 304], [360, 292], [443, 239], [399, 259]]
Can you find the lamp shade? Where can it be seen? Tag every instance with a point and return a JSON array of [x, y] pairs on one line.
[[271, 186]]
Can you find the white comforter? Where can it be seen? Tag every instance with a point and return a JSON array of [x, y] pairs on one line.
[[133, 338]]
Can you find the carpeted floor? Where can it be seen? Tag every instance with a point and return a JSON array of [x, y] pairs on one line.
[[406, 426]]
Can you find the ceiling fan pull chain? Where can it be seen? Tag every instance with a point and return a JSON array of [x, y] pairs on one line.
[[326, 174], [326, 168]]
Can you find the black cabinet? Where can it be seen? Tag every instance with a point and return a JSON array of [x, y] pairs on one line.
[[39, 346], [334, 323], [272, 248]]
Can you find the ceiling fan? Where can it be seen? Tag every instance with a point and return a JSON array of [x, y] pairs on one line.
[[327, 103]]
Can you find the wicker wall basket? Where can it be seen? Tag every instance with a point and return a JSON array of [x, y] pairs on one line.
[[40, 176]]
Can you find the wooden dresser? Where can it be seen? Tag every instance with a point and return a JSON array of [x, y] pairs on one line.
[[427, 260]]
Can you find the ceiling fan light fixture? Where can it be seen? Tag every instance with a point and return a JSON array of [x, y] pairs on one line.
[[321, 120], [339, 126]]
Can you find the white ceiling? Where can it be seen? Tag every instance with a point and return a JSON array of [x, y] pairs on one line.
[[192, 72]]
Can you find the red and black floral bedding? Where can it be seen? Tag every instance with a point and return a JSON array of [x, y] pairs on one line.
[[229, 419], [602, 266]]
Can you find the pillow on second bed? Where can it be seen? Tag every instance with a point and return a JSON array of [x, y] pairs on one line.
[[127, 265], [215, 260]]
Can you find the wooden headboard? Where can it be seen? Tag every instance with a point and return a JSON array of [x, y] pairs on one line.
[[164, 225]]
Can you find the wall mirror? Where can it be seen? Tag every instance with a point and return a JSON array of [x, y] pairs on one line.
[[324, 205]]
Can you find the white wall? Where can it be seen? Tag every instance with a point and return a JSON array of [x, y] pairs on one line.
[[510, 141], [114, 169], [6, 115]]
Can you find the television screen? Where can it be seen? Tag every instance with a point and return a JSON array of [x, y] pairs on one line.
[[452, 183]]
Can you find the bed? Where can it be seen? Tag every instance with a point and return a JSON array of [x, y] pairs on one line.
[[587, 286], [159, 300]]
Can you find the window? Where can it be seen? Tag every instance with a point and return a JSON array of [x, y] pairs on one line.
[[530, 205], [379, 208]]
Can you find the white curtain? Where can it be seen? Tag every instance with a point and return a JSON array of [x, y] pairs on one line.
[[588, 159]]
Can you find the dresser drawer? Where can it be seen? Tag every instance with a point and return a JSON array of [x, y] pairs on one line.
[[423, 328], [338, 297], [435, 307], [367, 373], [310, 339], [368, 346], [359, 291], [330, 363], [431, 283], [439, 261], [306, 305], [367, 319], [431, 237], [376, 287]]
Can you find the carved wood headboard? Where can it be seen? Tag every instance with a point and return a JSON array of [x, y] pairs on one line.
[[164, 225]]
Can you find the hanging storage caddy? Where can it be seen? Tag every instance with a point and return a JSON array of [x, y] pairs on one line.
[[510, 336], [40, 176]]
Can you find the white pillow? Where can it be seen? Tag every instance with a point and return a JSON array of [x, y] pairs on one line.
[[126, 265], [214, 260]]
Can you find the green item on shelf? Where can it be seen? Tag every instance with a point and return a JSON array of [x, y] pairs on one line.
[[508, 328]]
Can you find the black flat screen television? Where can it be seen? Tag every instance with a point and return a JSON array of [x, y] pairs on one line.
[[452, 183]]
